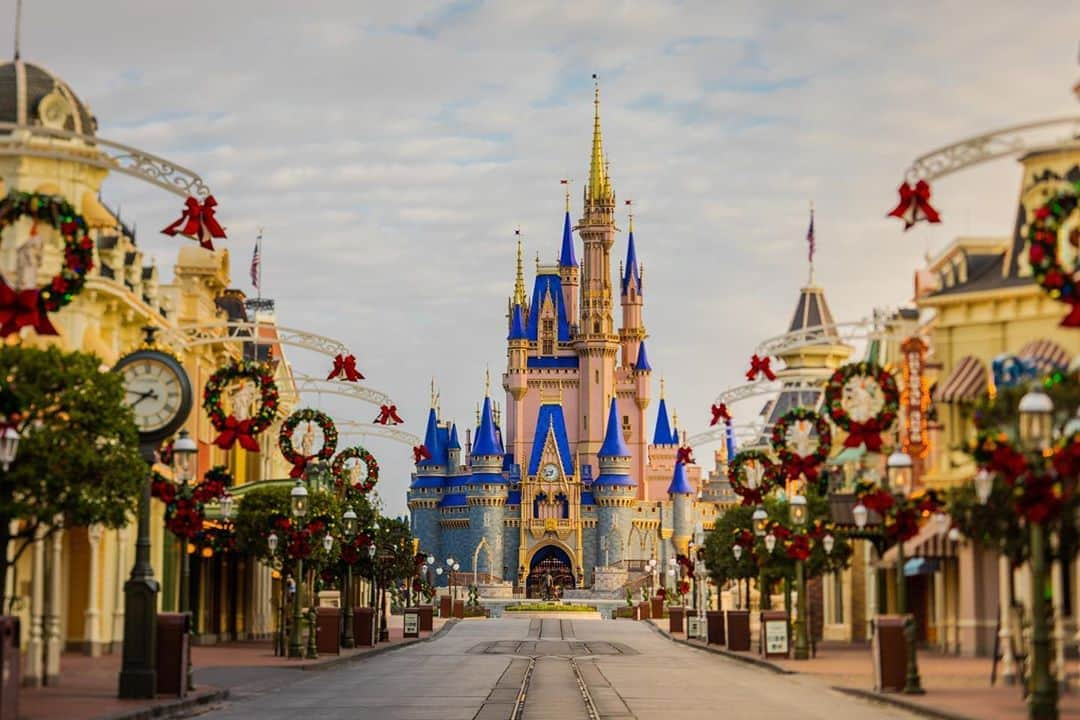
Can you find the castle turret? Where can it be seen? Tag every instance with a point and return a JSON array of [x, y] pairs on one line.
[[614, 491], [486, 493], [681, 493], [662, 434], [568, 266], [632, 332], [426, 491]]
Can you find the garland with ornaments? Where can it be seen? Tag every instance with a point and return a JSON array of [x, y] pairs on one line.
[[1044, 233], [30, 307], [866, 432], [752, 485], [285, 439], [231, 429], [185, 504], [900, 514], [1040, 486], [341, 473], [793, 463]]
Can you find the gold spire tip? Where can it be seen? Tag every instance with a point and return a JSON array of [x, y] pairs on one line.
[[487, 382], [519, 278], [661, 387]]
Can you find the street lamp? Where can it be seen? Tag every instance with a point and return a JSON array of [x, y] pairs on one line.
[[737, 552], [798, 513], [185, 460], [984, 485], [770, 543], [298, 501], [860, 513], [9, 447], [899, 473], [226, 506], [1036, 411], [348, 530], [760, 518], [828, 542]]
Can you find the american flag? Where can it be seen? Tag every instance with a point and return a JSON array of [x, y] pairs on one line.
[[256, 269], [810, 236]]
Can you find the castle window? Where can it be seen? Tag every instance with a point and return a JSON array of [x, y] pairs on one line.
[[596, 326], [548, 337]]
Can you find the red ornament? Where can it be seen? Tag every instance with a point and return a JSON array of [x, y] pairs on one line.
[[685, 456], [720, 412], [345, 368], [198, 222], [420, 452], [760, 365], [22, 308], [914, 205], [388, 414], [799, 548]]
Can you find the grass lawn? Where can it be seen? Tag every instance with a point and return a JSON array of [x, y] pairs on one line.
[[548, 607]]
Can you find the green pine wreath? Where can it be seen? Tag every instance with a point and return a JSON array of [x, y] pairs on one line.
[[285, 435], [1050, 273], [337, 467]]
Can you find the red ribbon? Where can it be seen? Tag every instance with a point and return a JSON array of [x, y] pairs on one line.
[[802, 465], [387, 414], [345, 368], [420, 452], [298, 467], [237, 431], [22, 308], [867, 433], [762, 365], [685, 456], [720, 412], [197, 222], [914, 205]]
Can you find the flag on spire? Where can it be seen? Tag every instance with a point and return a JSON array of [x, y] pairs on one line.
[[810, 241], [256, 264]]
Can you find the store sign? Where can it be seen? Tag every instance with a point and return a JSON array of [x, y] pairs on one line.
[[776, 637], [693, 627], [914, 396], [412, 625]]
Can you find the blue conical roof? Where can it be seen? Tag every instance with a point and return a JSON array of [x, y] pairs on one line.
[[566, 257], [662, 433], [517, 324], [675, 436], [679, 484], [614, 444], [487, 443], [642, 358], [730, 443], [455, 444], [431, 440], [631, 272]]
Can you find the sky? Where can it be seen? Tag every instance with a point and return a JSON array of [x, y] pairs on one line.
[[390, 150]]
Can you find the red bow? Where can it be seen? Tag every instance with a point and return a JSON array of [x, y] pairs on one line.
[[799, 549], [685, 456], [760, 365], [420, 452], [802, 465], [298, 467], [237, 431], [22, 308], [345, 365], [198, 222], [388, 413], [720, 412], [867, 433], [1073, 318], [914, 205]]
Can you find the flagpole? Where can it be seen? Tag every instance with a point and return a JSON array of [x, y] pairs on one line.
[[811, 240]]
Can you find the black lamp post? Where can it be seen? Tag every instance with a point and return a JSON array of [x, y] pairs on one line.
[[298, 499], [9, 447], [760, 518], [899, 473], [272, 545], [348, 527], [797, 511], [185, 461]]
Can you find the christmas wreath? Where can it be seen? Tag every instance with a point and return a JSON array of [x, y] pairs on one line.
[[754, 488], [866, 432], [30, 307], [232, 430], [1056, 279], [337, 467], [299, 460], [184, 505], [795, 464]]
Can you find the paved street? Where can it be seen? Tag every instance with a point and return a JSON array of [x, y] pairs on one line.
[[550, 668]]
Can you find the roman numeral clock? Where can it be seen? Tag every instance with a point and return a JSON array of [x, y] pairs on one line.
[[157, 390]]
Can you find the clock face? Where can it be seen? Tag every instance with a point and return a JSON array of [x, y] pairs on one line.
[[550, 471], [157, 390], [54, 110], [862, 398]]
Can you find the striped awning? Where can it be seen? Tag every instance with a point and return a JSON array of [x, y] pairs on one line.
[[931, 542], [1046, 355], [965, 383]]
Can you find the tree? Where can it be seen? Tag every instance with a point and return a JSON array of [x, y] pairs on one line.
[[78, 461]]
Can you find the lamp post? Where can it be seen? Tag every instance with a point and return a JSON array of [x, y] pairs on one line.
[[450, 579], [699, 575], [374, 586], [797, 512], [9, 447], [760, 518], [1036, 412], [348, 529], [652, 575], [899, 474], [313, 613], [185, 460], [298, 500], [272, 545]]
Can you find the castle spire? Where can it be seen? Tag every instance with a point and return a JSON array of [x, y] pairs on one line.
[[519, 279], [599, 188]]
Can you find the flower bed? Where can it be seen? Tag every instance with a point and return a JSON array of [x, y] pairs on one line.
[[548, 607]]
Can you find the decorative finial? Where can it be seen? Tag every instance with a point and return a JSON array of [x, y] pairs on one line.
[[811, 243], [599, 188], [519, 279], [18, 27], [537, 261], [566, 182], [661, 387], [630, 213], [433, 391], [477, 413], [487, 382]]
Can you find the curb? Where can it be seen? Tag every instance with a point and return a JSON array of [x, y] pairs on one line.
[[763, 664], [912, 707], [337, 662], [175, 708]]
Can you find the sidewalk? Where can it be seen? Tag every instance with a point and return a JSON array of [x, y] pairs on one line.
[[956, 687], [87, 687]]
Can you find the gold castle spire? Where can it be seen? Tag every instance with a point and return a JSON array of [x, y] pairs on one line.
[[519, 280], [599, 188], [661, 387]]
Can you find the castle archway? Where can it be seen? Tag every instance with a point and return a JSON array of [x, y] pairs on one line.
[[551, 571]]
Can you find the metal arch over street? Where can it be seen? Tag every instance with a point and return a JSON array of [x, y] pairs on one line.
[[36, 141], [242, 331], [837, 333], [1029, 137], [322, 386], [389, 432], [718, 432]]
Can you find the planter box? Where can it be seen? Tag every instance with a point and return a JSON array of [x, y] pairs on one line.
[[675, 619], [427, 613], [738, 630], [644, 610], [657, 609], [715, 621]]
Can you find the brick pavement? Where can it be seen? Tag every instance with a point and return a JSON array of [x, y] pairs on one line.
[[955, 686], [87, 687]]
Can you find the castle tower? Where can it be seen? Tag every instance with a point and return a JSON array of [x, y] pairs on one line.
[[682, 506], [486, 493], [568, 267], [596, 343], [615, 492], [426, 492], [632, 332], [516, 378]]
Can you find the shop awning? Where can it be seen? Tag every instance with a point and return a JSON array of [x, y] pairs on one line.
[[965, 383], [931, 542], [1046, 355], [847, 455]]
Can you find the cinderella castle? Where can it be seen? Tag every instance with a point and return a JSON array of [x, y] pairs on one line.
[[564, 482]]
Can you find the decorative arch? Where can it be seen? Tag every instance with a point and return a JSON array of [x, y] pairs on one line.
[[486, 547], [551, 569]]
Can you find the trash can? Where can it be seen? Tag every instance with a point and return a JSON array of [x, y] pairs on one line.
[[427, 617], [773, 639], [9, 662], [646, 608], [172, 653], [446, 606], [675, 619], [738, 630], [328, 630], [657, 607], [364, 626], [715, 621], [411, 620], [459, 609], [890, 652]]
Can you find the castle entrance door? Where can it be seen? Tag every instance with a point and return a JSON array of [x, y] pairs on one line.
[[550, 573]]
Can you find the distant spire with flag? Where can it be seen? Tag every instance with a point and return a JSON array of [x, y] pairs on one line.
[[811, 244], [256, 264]]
